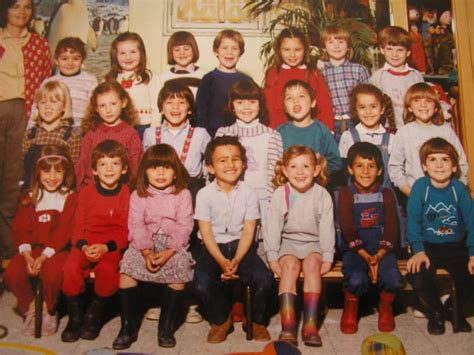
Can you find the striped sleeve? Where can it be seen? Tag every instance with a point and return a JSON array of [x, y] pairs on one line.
[[275, 152]]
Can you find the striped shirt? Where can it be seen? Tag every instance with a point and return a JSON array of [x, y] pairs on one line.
[[341, 80]]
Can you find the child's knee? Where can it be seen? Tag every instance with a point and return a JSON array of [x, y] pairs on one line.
[[290, 265], [357, 282]]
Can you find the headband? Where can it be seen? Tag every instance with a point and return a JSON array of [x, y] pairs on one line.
[[52, 156]]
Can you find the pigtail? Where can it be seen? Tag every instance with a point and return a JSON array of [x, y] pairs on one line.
[[323, 177], [279, 179]]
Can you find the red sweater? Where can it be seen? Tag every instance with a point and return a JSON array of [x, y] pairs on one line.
[[121, 133], [273, 90], [48, 227], [102, 218]]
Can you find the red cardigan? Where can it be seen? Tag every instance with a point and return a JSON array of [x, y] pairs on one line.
[[273, 90]]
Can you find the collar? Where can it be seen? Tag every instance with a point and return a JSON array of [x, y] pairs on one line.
[[406, 70], [5, 34], [63, 123], [361, 128], [374, 188], [104, 128], [252, 124], [164, 126], [127, 75], [153, 190], [329, 64], [191, 68], [217, 187], [286, 66], [106, 192], [70, 76]]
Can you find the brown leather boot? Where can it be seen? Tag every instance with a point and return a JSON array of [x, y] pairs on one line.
[[218, 333], [260, 332], [349, 315]]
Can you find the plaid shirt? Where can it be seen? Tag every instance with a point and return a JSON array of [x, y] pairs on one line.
[[341, 79], [55, 136]]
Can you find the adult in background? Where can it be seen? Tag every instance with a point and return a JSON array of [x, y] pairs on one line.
[[25, 61]]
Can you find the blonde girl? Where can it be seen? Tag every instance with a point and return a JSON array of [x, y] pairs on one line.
[[53, 124], [128, 66], [300, 237], [41, 232], [110, 115], [160, 223], [291, 60], [423, 118]]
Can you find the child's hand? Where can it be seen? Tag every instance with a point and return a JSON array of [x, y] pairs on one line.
[[374, 262], [275, 267], [162, 257], [325, 267], [38, 264], [226, 268], [470, 265], [150, 262], [415, 262], [95, 252], [30, 261]]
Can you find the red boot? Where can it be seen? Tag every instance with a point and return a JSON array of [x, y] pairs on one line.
[[349, 315], [386, 320]]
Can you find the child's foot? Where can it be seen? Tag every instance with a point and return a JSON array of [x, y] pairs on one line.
[[289, 337], [193, 315], [49, 325], [311, 339], [29, 323], [260, 332], [237, 312], [218, 333], [386, 321], [436, 324], [153, 314]]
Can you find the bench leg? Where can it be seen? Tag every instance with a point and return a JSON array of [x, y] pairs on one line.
[[454, 300], [38, 307], [248, 313]]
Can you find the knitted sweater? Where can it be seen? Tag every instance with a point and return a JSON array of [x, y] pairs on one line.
[[274, 84], [404, 165], [191, 79], [440, 215], [309, 219], [264, 147]]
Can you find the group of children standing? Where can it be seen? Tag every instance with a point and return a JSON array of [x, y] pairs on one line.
[[265, 186]]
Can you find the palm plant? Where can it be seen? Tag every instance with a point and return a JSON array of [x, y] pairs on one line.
[[311, 17]]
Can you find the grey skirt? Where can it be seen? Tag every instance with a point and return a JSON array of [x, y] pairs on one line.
[[299, 249], [178, 269]]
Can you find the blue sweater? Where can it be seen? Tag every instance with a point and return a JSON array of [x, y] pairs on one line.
[[212, 96], [316, 136], [440, 215]]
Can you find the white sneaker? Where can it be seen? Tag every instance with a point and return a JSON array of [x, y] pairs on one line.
[[193, 315], [418, 314], [153, 314]]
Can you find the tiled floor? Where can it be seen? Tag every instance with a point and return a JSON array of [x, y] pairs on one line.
[[191, 338]]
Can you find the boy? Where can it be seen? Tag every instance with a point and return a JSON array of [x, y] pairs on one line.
[[212, 94], [100, 236], [369, 227], [395, 77], [227, 211], [69, 56], [341, 75], [299, 99], [440, 211]]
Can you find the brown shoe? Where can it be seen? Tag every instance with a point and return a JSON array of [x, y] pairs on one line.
[[260, 332], [218, 333]]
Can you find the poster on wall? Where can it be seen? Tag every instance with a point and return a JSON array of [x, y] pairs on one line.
[[95, 22]]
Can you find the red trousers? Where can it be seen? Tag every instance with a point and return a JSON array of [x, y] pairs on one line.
[[106, 271], [51, 276]]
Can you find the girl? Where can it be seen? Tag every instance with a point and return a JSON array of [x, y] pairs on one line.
[[423, 119], [41, 232], [53, 125], [160, 222], [300, 236], [183, 53], [129, 68], [176, 103], [369, 112], [291, 61], [110, 115]]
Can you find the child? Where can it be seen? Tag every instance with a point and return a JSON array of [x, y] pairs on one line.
[[440, 212], [213, 90], [292, 62], [41, 231], [369, 225], [98, 241], [110, 115], [298, 100], [160, 222], [370, 113], [227, 213], [128, 64], [300, 236], [52, 125], [341, 75], [69, 56], [176, 103], [395, 77], [423, 120], [183, 53]]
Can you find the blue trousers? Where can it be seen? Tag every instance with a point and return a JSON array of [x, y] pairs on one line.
[[216, 296]]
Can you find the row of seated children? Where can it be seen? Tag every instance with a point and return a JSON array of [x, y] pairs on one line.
[[293, 241]]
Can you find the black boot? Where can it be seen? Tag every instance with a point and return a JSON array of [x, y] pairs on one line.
[[72, 332], [434, 312], [169, 311], [463, 324], [129, 329], [93, 318]]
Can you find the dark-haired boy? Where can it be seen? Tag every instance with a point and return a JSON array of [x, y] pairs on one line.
[[369, 226], [227, 211]]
